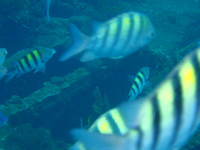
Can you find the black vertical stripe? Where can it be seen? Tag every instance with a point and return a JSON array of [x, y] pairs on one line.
[[133, 90], [95, 129], [105, 38], [156, 121], [27, 62], [40, 56], [21, 66], [143, 74], [113, 124], [178, 107], [34, 58], [130, 33], [140, 78], [18, 68], [117, 36], [135, 83], [196, 66], [140, 138]]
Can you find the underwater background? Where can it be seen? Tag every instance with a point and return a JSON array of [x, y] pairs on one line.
[[43, 108]]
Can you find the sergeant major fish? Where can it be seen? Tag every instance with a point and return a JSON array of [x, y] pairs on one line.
[[115, 38], [163, 120], [35, 60], [139, 82], [3, 69]]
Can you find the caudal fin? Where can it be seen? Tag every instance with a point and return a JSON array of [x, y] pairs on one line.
[[80, 41]]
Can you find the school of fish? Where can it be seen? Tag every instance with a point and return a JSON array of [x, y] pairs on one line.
[[163, 120]]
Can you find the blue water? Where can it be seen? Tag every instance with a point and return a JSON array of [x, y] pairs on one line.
[[24, 24]]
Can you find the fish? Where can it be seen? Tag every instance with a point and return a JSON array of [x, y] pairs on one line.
[[3, 69], [34, 60], [139, 81], [163, 120], [116, 38], [48, 4]]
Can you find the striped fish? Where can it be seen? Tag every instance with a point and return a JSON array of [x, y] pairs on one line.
[[139, 82], [35, 60], [163, 120], [3, 69], [115, 38]]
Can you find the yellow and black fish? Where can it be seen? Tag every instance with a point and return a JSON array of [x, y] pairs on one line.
[[139, 81], [116, 38], [35, 60], [163, 120]]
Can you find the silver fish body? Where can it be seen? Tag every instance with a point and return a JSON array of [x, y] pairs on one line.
[[163, 120], [34, 60], [116, 38]]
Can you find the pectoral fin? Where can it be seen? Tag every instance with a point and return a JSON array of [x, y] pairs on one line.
[[97, 141]]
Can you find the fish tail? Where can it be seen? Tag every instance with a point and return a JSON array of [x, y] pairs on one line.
[[80, 41], [10, 75]]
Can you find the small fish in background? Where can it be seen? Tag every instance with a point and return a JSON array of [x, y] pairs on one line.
[[139, 82], [48, 4], [3, 69], [34, 60], [115, 38], [163, 120], [3, 119]]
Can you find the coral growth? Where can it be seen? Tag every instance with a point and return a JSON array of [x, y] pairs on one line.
[[27, 138], [10, 5]]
